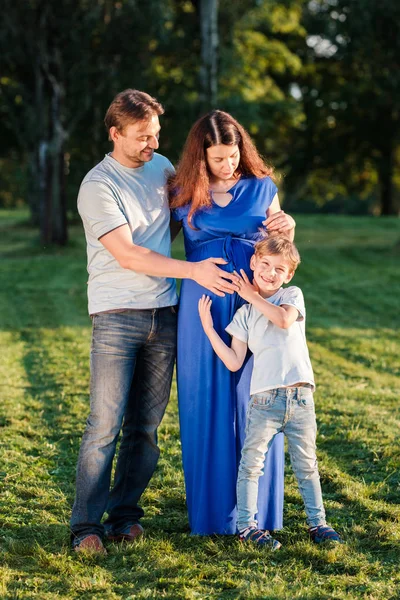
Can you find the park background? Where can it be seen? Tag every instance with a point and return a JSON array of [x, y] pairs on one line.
[[317, 84]]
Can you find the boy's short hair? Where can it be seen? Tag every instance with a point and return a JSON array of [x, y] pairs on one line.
[[278, 244]]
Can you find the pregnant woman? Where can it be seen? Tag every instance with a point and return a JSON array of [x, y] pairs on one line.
[[222, 195]]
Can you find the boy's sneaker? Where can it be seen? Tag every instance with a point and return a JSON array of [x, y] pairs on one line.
[[259, 537], [324, 533]]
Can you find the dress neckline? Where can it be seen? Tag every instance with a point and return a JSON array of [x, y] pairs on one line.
[[227, 192]]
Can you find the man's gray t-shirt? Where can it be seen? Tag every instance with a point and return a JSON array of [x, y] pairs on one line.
[[112, 195], [281, 357]]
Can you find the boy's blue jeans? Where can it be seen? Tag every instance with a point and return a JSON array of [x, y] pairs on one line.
[[131, 360], [290, 410]]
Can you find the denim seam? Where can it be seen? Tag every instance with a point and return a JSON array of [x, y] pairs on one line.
[[131, 443], [153, 326]]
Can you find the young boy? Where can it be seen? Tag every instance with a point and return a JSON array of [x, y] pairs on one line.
[[272, 325]]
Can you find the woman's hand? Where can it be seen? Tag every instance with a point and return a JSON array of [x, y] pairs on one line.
[[247, 290], [205, 313], [280, 222]]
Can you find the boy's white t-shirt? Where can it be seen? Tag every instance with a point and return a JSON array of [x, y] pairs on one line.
[[281, 357]]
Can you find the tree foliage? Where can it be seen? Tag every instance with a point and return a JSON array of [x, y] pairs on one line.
[[350, 89], [317, 84]]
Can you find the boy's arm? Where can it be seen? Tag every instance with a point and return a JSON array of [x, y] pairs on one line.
[[282, 316], [233, 357]]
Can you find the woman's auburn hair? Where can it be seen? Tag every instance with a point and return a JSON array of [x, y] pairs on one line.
[[191, 182]]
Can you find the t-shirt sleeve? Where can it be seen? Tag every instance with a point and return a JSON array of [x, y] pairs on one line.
[[238, 327], [99, 208], [178, 214], [293, 296], [170, 167]]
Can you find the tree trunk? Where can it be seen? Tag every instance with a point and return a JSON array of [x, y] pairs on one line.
[[51, 184], [42, 187], [385, 172], [54, 212], [209, 48], [33, 189]]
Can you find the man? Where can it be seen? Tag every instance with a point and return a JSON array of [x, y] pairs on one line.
[[124, 208]]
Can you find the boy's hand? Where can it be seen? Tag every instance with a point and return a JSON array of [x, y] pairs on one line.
[[205, 313], [247, 290]]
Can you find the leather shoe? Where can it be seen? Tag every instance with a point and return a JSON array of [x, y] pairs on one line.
[[91, 544], [130, 534]]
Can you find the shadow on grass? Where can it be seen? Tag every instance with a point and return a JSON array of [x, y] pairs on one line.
[[59, 426], [358, 459], [63, 427], [372, 460], [48, 291], [373, 351], [217, 565]]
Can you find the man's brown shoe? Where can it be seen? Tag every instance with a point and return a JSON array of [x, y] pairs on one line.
[[130, 534], [91, 544]]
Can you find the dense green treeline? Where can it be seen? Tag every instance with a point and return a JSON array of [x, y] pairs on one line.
[[316, 83]]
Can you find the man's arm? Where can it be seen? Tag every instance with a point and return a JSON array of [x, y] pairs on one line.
[[142, 260], [278, 221], [282, 316], [233, 357]]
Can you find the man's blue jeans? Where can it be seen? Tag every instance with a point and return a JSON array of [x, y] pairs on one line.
[[290, 410], [131, 362]]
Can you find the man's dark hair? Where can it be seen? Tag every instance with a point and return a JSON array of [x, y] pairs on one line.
[[130, 106]]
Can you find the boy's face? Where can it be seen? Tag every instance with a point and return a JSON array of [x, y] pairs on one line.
[[270, 272]]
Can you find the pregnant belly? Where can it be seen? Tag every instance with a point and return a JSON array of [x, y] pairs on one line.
[[236, 251]]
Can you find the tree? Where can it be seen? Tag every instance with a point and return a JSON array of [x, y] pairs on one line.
[[61, 66], [257, 68], [209, 47], [350, 88], [41, 63]]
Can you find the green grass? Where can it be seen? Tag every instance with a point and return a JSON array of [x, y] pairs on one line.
[[350, 278]]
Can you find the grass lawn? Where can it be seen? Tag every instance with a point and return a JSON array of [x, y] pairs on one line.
[[350, 277]]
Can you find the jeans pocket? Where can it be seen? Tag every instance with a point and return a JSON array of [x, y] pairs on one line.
[[264, 399], [306, 398]]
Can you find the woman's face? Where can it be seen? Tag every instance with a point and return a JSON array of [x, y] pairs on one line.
[[222, 161]]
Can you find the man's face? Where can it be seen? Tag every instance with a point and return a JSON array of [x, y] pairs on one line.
[[135, 144]]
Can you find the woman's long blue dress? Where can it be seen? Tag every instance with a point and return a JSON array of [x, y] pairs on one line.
[[212, 400]]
